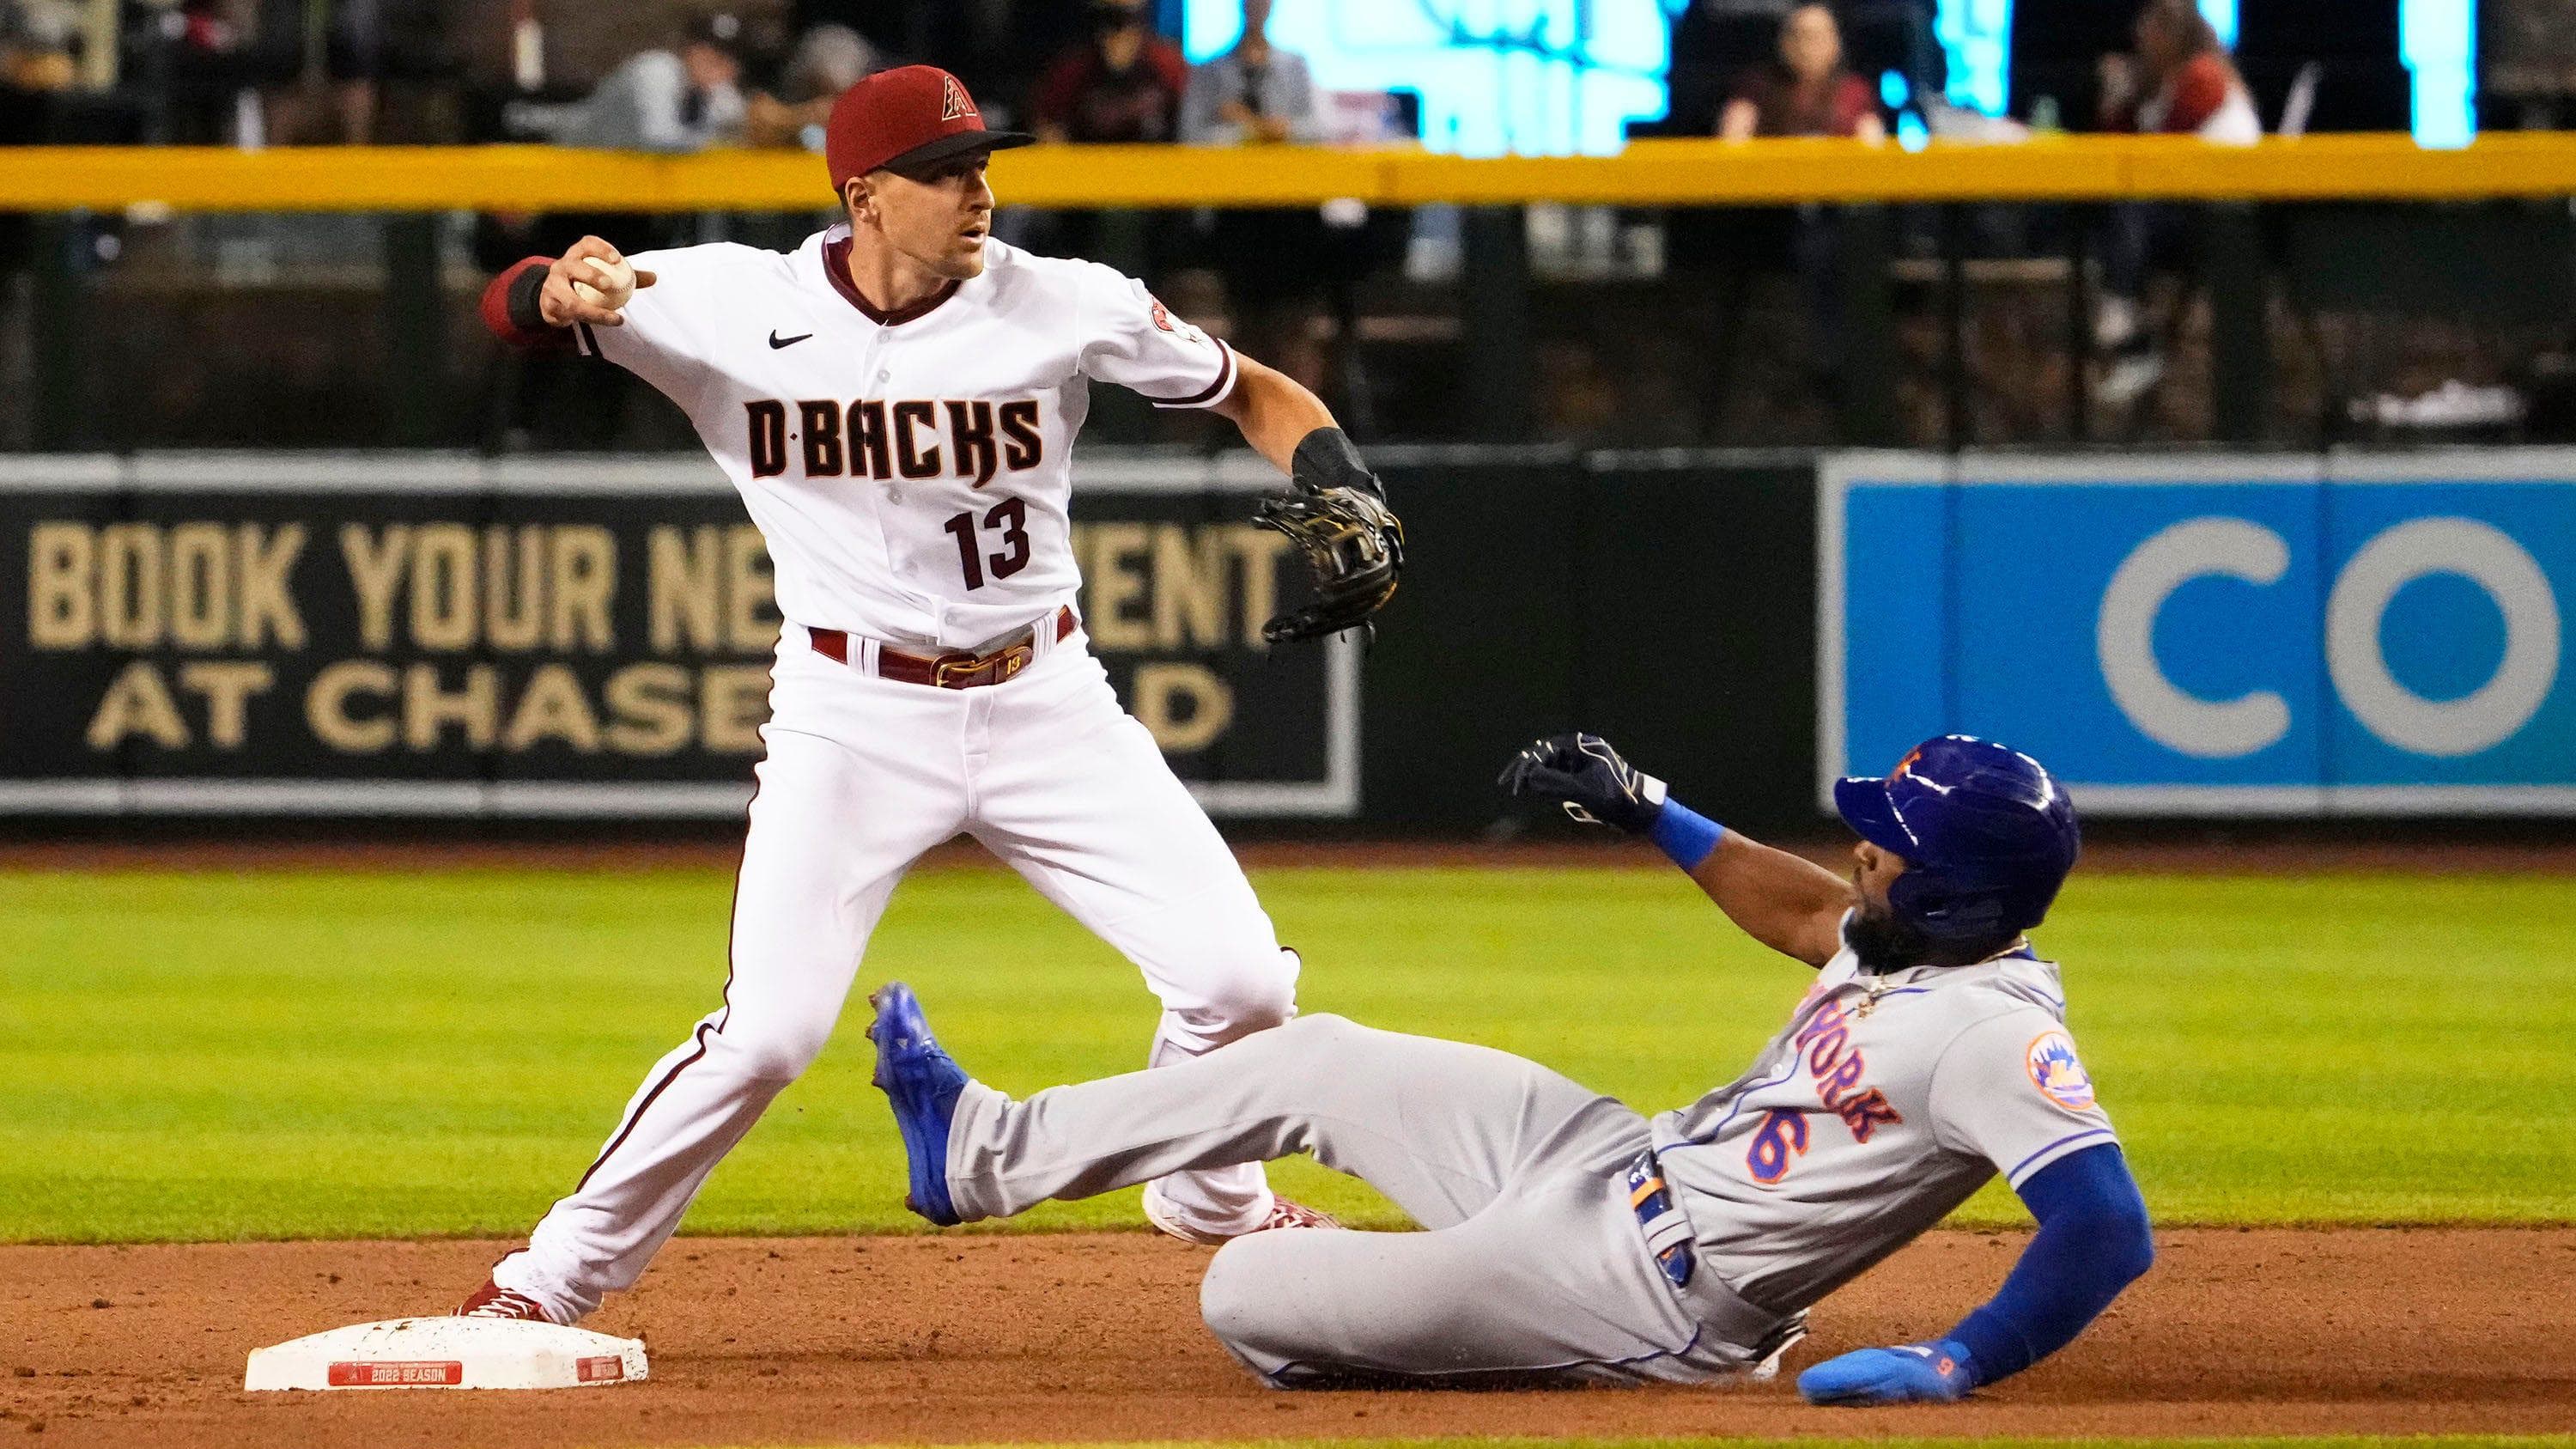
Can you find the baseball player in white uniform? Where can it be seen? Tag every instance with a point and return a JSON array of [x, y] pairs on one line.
[[897, 401], [1574, 1239]]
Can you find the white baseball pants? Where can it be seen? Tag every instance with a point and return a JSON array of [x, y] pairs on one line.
[[863, 775]]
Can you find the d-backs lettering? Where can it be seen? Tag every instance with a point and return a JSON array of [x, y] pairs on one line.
[[874, 438]]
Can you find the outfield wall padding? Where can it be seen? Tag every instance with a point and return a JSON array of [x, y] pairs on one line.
[[394, 636], [430, 635]]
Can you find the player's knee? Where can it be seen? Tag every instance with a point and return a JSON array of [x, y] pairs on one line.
[[1258, 1300], [1233, 1300], [1258, 991], [774, 1051], [1325, 1042], [1322, 1032]]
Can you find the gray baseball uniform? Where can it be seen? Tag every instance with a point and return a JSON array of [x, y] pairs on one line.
[[1556, 1248]]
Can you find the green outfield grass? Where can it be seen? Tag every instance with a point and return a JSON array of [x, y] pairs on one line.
[[292, 1055]]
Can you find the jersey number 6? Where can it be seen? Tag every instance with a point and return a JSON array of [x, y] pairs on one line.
[[1011, 516], [1780, 1142]]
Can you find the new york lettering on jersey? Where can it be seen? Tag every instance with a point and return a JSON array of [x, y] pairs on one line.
[[1885, 1102], [1836, 1067], [910, 471]]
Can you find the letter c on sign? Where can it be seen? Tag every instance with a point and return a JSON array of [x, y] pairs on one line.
[[2125, 638], [2492, 712]]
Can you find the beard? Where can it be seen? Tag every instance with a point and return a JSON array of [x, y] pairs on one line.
[[1883, 943]]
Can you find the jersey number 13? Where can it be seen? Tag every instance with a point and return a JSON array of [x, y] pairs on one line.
[[1011, 517]]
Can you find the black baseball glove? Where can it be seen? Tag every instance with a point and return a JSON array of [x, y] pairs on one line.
[[1587, 777], [1353, 543]]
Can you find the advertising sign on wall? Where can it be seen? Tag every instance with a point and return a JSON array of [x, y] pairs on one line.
[[2361, 634], [424, 634]]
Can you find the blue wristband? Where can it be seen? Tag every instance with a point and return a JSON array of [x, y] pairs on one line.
[[1686, 835]]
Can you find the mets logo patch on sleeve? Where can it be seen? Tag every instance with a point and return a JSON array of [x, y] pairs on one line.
[[2056, 1072]]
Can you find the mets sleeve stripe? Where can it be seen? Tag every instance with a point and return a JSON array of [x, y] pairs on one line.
[[1216, 391], [2022, 1170]]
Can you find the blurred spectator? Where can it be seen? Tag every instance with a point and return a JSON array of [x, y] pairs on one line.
[[36, 66], [2178, 83], [2528, 50], [355, 48], [678, 100], [36, 59], [1275, 261], [1252, 93], [829, 59], [1123, 84], [354, 72], [1807, 90], [196, 68]]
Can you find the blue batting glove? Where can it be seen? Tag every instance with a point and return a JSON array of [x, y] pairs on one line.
[[1917, 1373]]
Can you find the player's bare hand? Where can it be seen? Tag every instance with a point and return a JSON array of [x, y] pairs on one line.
[[597, 266]]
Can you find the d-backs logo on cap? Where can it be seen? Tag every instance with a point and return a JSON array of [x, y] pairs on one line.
[[2056, 1072], [954, 104]]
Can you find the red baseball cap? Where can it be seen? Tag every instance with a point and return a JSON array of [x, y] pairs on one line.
[[906, 119]]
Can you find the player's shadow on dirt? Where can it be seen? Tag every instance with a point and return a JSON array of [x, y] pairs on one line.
[[1493, 1381]]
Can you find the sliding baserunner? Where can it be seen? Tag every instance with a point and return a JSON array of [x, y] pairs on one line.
[[1572, 1238]]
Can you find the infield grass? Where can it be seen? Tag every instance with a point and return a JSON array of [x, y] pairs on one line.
[[207, 1056]]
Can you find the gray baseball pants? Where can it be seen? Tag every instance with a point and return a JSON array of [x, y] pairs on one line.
[[1534, 1264]]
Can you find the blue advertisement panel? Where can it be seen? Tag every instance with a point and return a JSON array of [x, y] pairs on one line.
[[2367, 634]]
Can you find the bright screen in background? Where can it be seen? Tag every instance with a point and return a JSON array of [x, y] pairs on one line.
[[1497, 77], [1554, 77], [2439, 43]]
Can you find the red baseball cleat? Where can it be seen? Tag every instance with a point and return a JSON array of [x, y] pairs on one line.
[[1283, 1214], [1286, 1214], [494, 1301]]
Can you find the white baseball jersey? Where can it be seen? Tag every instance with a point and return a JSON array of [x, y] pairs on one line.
[[1885, 1102], [910, 475], [910, 472]]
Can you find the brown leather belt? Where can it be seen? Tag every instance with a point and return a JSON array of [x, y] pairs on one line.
[[955, 669]]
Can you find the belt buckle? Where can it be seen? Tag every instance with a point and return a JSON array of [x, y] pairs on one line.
[[945, 670]]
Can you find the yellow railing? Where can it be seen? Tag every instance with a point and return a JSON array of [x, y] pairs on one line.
[[535, 178]]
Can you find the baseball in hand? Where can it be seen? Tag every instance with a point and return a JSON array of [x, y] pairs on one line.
[[613, 284]]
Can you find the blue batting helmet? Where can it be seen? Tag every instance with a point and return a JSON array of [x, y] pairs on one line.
[[1986, 832]]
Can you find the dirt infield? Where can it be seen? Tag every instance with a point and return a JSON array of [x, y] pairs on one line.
[[984, 1338]]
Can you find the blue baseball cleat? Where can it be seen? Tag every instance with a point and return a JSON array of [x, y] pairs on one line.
[[921, 1082]]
